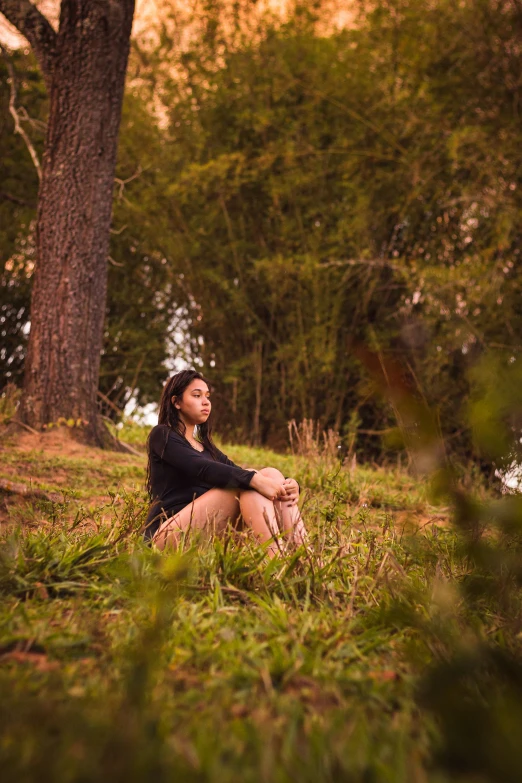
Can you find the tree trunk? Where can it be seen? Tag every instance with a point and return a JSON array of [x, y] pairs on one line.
[[74, 214]]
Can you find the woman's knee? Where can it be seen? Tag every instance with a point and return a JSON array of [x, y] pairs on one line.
[[273, 472]]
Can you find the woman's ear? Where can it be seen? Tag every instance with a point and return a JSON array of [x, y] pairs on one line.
[[173, 401]]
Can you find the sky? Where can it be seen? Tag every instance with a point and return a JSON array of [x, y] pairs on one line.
[[146, 11]]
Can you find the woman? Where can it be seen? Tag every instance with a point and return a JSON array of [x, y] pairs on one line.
[[192, 484]]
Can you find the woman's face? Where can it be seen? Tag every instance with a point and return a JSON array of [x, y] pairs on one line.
[[194, 405]]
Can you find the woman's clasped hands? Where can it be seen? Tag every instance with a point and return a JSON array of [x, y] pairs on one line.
[[286, 490], [291, 489]]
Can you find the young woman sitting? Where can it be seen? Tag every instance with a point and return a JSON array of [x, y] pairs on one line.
[[193, 485]]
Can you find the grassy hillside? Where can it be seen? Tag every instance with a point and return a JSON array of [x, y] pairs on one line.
[[118, 663]]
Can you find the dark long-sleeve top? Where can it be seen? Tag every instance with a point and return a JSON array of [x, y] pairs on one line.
[[179, 474]]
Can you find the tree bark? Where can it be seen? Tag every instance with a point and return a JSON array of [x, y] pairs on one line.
[[85, 68]]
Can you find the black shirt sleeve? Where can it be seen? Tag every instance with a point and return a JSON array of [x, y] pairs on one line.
[[198, 467]]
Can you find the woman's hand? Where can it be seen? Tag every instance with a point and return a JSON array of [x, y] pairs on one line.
[[271, 488], [291, 491]]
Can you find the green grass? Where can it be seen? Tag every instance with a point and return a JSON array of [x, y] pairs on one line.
[[212, 664]]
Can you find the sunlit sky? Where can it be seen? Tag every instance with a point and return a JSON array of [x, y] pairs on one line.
[[147, 11]]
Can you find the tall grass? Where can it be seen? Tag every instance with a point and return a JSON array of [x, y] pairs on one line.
[[379, 653], [214, 663]]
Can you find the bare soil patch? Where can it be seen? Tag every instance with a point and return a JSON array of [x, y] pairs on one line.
[[57, 442]]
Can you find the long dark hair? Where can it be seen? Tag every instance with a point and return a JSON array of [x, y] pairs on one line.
[[169, 415]]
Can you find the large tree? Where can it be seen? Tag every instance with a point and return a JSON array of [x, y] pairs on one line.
[[84, 65]]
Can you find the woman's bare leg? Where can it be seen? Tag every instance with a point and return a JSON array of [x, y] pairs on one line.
[[288, 514], [292, 522], [261, 515], [211, 510]]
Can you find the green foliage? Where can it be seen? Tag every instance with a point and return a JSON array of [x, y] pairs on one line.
[[210, 664], [142, 313], [287, 191], [468, 623], [274, 267], [18, 193], [329, 190], [53, 564], [203, 666], [495, 410], [8, 402]]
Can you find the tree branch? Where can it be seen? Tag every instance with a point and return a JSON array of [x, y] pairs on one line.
[[14, 113], [15, 488], [16, 200], [122, 182], [34, 26]]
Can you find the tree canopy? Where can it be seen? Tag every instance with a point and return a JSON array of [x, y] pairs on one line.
[[288, 191]]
